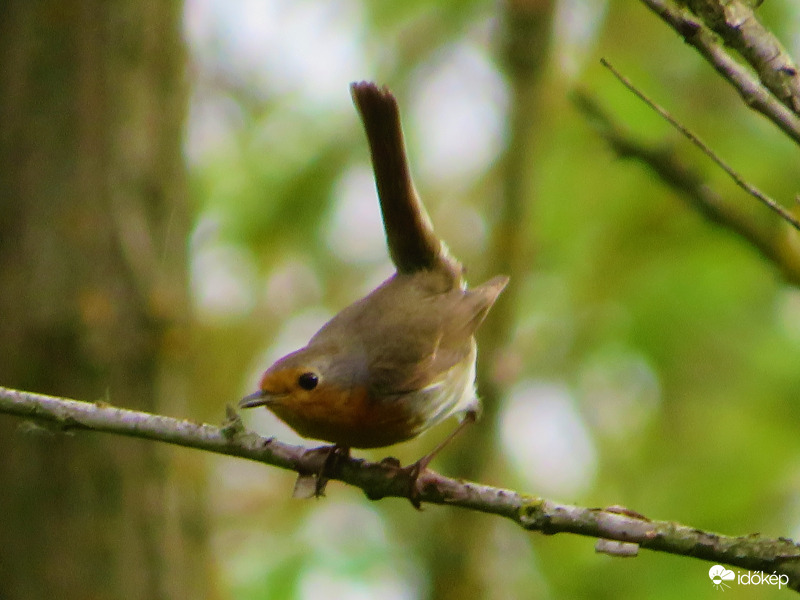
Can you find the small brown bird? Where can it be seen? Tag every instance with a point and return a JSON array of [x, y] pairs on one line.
[[401, 359]]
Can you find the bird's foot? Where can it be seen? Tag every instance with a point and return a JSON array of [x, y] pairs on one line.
[[413, 472], [334, 455]]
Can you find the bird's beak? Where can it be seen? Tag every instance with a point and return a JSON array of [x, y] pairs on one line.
[[259, 398]]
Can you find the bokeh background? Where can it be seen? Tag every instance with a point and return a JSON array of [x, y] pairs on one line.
[[643, 356]]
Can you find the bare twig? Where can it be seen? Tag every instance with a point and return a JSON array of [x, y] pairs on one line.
[[752, 91], [747, 187], [378, 480], [690, 186]]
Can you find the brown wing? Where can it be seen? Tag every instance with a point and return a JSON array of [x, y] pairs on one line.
[[430, 334]]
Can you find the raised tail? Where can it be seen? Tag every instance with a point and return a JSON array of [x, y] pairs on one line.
[[413, 245]]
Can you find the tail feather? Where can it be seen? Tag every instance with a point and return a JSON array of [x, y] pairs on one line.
[[413, 245]]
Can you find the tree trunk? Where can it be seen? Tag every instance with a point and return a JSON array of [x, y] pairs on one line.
[[92, 261]]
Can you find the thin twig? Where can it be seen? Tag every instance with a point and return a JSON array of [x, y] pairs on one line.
[[385, 479], [689, 185], [750, 189]]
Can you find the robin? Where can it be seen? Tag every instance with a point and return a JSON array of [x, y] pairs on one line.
[[402, 359]]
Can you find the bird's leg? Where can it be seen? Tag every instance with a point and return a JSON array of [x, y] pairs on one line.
[[416, 469], [335, 454]]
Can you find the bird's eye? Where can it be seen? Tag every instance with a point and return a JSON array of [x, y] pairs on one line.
[[308, 381]]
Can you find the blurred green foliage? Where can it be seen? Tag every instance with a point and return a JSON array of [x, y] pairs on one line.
[[629, 289]]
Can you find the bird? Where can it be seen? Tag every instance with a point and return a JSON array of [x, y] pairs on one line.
[[402, 359]]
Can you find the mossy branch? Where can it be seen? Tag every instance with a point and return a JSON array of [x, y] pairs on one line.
[[380, 480]]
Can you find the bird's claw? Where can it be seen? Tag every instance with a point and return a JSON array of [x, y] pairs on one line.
[[335, 453], [413, 472]]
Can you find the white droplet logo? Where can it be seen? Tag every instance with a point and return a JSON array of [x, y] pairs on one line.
[[719, 575]]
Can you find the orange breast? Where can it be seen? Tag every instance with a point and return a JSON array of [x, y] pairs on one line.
[[351, 418]]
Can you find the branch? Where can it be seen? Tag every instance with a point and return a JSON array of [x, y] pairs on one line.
[[378, 480], [750, 88], [736, 23], [690, 186], [738, 179]]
